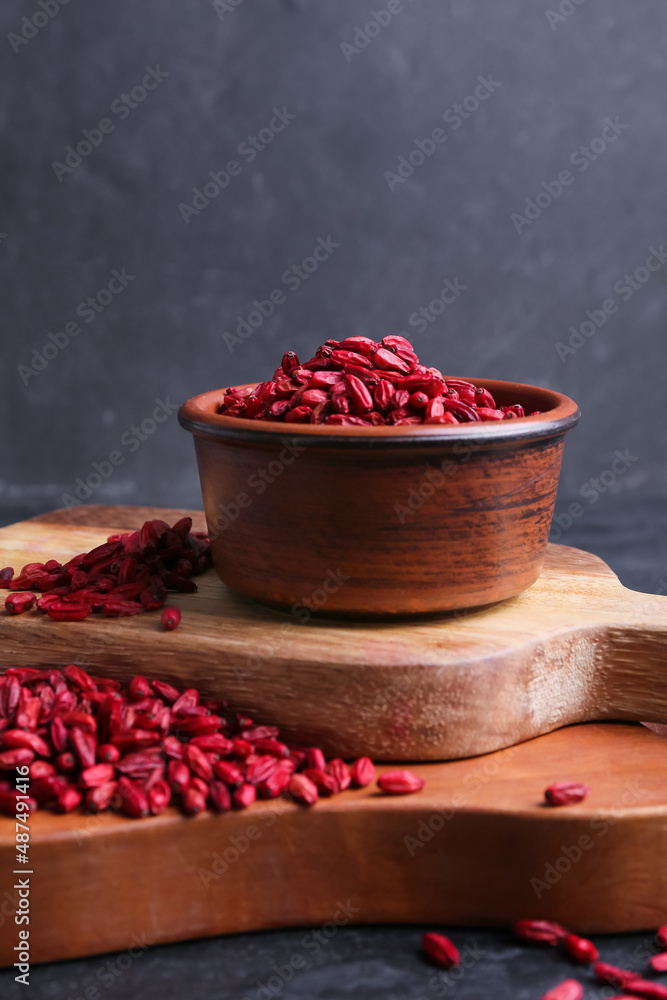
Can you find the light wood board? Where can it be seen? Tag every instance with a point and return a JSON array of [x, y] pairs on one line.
[[576, 646], [476, 847]]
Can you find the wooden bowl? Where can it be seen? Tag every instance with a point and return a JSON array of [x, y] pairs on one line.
[[381, 521]]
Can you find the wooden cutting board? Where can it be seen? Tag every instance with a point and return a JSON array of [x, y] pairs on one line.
[[476, 847], [576, 646]]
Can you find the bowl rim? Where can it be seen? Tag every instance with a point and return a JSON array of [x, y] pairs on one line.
[[198, 415]]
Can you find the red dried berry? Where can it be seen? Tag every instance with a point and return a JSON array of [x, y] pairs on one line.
[[139, 762], [124, 576], [41, 769], [48, 788], [59, 734], [198, 762], [229, 773], [401, 782], [11, 759], [271, 746], [166, 691], [170, 618], [275, 784], [193, 801], [220, 796], [99, 774], [84, 746], [213, 743], [9, 806], [569, 989], [20, 738], [65, 762], [362, 772], [140, 688], [315, 758], [565, 793], [69, 799], [132, 799], [259, 768], [199, 785], [178, 774], [18, 603], [303, 789], [540, 931], [244, 796], [359, 382], [581, 949], [107, 753], [100, 798], [646, 988], [79, 678], [325, 783], [61, 611], [612, 975], [159, 796], [440, 949], [340, 772]]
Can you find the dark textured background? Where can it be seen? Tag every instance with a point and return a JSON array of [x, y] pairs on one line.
[[161, 338], [359, 963]]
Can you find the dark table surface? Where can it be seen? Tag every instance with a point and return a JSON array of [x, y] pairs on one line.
[[376, 962]]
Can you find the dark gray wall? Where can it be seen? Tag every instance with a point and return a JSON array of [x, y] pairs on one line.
[[356, 113]]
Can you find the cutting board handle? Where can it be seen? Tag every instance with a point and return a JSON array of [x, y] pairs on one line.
[[635, 678], [575, 647]]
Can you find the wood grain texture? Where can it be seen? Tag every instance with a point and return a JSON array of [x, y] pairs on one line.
[[381, 521], [574, 647], [475, 847]]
